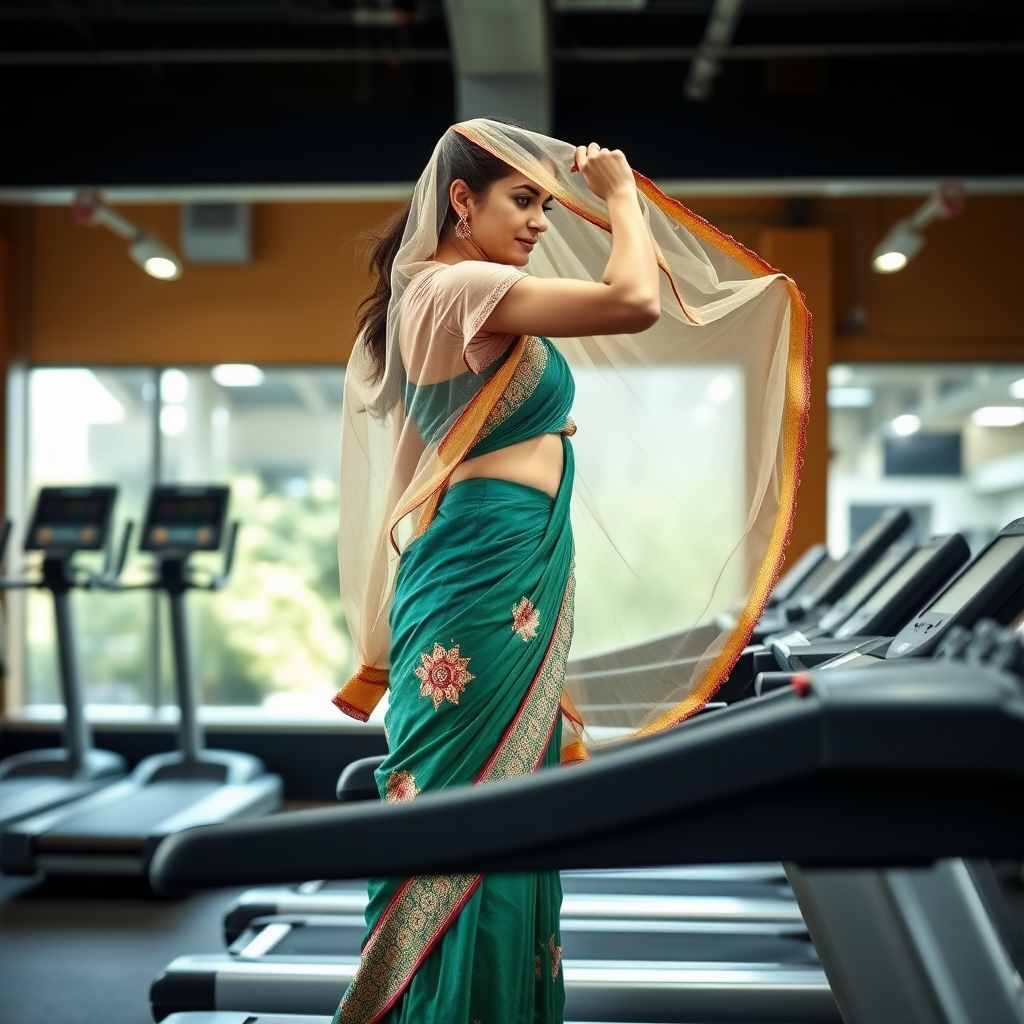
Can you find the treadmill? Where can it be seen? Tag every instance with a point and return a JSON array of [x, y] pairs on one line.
[[871, 793], [66, 520], [991, 586], [919, 574], [116, 830]]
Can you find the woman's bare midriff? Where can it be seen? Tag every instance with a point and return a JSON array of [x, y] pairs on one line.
[[536, 462]]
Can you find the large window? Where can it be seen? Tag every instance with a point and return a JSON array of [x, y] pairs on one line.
[[947, 441], [276, 638]]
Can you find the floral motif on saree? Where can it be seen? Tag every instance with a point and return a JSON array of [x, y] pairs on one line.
[[443, 675], [401, 786], [556, 958], [424, 907], [525, 619]]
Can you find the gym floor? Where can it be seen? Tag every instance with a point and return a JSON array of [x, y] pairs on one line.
[[86, 950]]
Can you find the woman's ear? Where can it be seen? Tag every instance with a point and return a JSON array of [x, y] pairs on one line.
[[459, 196]]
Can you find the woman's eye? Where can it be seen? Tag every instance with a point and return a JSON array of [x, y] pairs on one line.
[[546, 209]]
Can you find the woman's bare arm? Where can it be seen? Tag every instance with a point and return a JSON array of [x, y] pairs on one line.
[[628, 299]]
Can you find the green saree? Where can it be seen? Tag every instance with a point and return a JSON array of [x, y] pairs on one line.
[[481, 624]]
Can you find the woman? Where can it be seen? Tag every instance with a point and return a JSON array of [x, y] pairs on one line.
[[455, 453]]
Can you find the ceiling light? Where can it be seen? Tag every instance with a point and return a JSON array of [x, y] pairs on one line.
[[998, 416], [237, 375], [897, 249], [174, 386], [145, 249], [1017, 388], [906, 424], [155, 258], [839, 375], [173, 420], [905, 239], [850, 398]]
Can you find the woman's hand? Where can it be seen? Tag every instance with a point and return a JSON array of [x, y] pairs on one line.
[[605, 171]]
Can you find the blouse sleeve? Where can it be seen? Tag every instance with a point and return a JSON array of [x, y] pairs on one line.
[[466, 294]]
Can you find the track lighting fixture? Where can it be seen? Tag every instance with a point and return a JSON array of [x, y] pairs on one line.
[[905, 239], [145, 249]]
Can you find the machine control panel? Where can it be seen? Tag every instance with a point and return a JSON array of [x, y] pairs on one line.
[[70, 519], [180, 520], [991, 586]]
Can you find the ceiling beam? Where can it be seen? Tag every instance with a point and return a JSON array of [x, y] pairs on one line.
[[441, 55], [717, 35], [501, 59]]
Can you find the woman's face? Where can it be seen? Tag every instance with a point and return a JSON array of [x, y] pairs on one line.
[[509, 220]]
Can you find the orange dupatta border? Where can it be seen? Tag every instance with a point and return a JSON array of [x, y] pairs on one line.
[[798, 400]]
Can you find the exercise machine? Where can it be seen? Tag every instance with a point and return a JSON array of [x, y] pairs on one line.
[[116, 830], [66, 521]]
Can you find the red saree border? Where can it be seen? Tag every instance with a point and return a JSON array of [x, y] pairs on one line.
[[423, 907]]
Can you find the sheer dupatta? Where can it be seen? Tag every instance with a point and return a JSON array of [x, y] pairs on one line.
[[687, 452]]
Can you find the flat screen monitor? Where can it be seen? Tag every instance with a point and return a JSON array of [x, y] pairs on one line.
[[976, 575], [183, 519], [71, 519]]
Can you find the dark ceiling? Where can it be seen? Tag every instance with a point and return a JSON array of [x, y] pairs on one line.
[[132, 92]]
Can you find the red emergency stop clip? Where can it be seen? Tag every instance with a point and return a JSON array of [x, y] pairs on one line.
[[802, 684]]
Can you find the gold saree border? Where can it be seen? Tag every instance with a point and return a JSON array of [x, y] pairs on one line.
[[424, 906]]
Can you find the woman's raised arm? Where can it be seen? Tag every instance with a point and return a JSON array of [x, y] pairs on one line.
[[626, 302]]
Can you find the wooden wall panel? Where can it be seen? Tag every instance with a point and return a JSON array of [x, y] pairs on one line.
[[293, 304]]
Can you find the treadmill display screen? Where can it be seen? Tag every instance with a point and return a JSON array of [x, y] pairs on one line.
[[976, 575], [70, 521], [892, 586], [186, 521]]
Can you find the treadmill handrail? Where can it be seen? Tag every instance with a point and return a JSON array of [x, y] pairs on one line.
[[857, 752]]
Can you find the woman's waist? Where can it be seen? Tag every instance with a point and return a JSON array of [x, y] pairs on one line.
[[536, 463]]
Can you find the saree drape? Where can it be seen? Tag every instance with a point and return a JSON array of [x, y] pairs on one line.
[[481, 626], [690, 438], [463, 600]]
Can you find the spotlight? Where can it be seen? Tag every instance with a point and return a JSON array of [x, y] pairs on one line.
[[998, 416], [905, 239], [1017, 388], [906, 424], [156, 259]]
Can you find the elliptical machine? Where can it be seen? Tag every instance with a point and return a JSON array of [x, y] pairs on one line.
[[66, 520]]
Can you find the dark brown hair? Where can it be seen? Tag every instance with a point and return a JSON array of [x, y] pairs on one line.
[[459, 158]]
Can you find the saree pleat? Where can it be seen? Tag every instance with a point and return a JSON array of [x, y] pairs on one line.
[[481, 625]]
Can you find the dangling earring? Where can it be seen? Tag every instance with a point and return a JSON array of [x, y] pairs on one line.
[[462, 229]]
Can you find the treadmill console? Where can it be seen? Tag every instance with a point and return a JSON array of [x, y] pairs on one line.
[[70, 519], [180, 520], [857, 561], [991, 586]]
